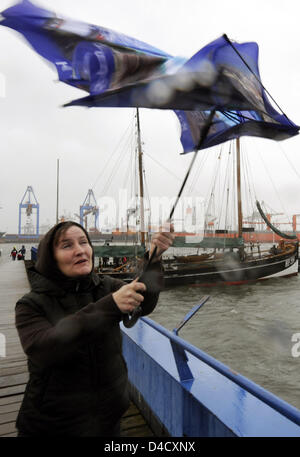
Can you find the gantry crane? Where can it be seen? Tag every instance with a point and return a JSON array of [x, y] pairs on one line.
[[29, 203], [89, 206]]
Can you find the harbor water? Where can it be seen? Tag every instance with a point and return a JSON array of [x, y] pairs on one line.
[[249, 328], [253, 328]]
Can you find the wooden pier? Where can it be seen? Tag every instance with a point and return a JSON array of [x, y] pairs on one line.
[[13, 366], [13, 362]]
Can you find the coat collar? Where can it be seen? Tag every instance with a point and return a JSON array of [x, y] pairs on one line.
[[42, 284]]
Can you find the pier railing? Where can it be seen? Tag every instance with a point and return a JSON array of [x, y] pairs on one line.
[[192, 394]]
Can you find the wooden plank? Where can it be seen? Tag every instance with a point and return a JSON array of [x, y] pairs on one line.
[[10, 330], [9, 400], [14, 358], [8, 417], [10, 408], [131, 411], [12, 370], [10, 435], [7, 428], [13, 341], [6, 391], [13, 380], [133, 423], [142, 431]]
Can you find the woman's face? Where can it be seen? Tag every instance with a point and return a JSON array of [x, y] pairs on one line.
[[73, 253]]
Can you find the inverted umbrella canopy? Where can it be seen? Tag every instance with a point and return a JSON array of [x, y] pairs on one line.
[[120, 71]]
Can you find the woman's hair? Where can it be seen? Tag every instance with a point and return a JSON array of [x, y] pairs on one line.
[[46, 263]]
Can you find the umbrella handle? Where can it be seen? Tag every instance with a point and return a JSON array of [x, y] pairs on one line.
[[130, 319]]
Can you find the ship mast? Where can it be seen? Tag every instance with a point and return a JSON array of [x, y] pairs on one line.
[[141, 182], [239, 197]]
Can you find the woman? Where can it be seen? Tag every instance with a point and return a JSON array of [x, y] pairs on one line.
[[69, 328]]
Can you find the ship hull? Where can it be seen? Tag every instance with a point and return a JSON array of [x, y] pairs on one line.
[[232, 273], [227, 271]]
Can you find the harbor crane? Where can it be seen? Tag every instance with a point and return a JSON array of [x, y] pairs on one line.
[[31, 205], [89, 206]]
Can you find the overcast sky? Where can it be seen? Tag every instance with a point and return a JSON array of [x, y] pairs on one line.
[[36, 131]]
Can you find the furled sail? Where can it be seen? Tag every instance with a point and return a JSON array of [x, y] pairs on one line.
[[272, 227]]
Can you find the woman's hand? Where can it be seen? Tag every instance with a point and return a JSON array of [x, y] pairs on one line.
[[127, 298], [162, 241]]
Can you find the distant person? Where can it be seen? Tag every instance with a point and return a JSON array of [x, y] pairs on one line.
[[69, 328], [22, 251], [13, 253], [274, 250], [117, 262], [105, 261]]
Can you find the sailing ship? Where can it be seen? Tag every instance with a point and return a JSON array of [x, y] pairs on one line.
[[227, 268], [221, 258]]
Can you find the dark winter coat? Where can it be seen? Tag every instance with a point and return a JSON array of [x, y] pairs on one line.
[[69, 330]]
